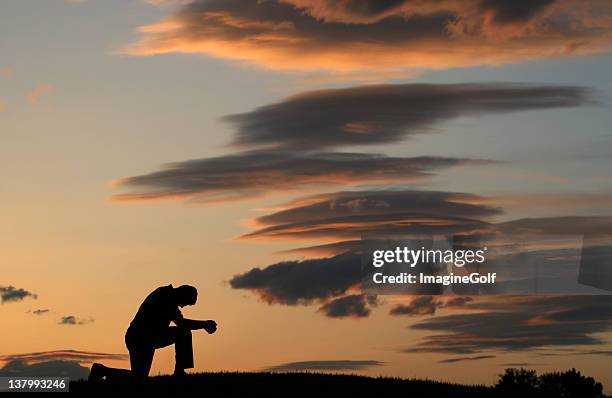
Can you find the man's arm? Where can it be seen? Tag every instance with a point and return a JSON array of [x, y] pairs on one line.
[[192, 324]]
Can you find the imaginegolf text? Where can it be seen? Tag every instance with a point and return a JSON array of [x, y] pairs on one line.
[[446, 280]]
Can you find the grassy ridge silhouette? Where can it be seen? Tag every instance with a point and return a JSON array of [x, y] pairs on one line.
[[266, 384]]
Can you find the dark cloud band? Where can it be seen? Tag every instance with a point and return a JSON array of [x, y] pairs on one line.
[[518, 323], [64, 363], [302, 282], [352, 306], [347, 35], [254, 173], [350, 215], [368, 115]]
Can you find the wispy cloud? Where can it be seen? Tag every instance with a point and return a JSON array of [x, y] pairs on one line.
[[329, 365], [67, 355], [563, 225], [39, 312], [568, 200], [353, 306], [71, 369], [11, 294], [302, 282], [514, 323], [370, 115], [326, 281], [315, 35], [464, 359], [353, 214], [255, 173], [428, 305], [62, 363], [330, 281], [73, 320], [300, 127], [39, 92]]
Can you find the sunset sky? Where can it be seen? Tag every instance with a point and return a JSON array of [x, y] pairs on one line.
[[165, 141]]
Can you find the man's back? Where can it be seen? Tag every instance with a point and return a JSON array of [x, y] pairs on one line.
[[156, 312]]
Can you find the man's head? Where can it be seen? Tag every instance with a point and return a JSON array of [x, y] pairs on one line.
[[186, 295]]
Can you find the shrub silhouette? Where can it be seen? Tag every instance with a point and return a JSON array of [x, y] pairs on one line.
[[568, 384], [518, 381]]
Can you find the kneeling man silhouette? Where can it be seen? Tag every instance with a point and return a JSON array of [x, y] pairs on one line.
[[151, 330]]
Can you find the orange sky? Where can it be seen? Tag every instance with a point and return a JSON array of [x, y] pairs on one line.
[[79, 112]]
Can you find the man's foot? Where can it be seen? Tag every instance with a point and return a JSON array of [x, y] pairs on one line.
[[97, 372]]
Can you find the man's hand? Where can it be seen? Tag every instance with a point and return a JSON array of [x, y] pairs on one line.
[[210, 326]]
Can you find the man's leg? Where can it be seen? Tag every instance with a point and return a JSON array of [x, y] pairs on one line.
[[183, 347], [99, 371], [141, 359]]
